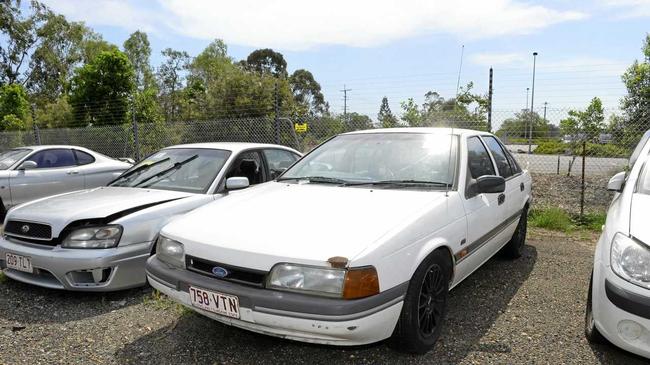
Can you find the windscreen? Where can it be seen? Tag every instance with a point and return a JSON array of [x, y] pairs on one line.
[[381, 157], [182, 169], [10, 157]]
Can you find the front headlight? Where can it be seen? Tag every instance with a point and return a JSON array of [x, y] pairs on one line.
[[630, 260], [170, 251], [341, 283], [93, 237]]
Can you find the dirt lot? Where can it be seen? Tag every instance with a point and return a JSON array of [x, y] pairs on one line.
[[526, 311]]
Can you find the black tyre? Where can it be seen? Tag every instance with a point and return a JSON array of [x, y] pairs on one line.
[[591, 332], [3, 212], [425, 306], [514, 248]]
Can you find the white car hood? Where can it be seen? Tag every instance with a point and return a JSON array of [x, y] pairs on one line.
[[304, 223], [60, 210], [639, 227]]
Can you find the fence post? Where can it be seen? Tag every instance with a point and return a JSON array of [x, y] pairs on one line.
[[582, 187], [37, 133], [276, 121], [136, 137]]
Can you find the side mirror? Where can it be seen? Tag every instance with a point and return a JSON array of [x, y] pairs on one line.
[[236, 183], [28, 165], [617, 182], [490, 184]]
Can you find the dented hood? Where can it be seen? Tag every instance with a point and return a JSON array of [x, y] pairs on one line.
[[61, 210]]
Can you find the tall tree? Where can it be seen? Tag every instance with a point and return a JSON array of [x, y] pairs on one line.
[[636, 104], [385, 116], [170, 79], [307, 93], [267, 61], [138, 50], [585, 125], [519, 126], [14, 107], [100, 90]]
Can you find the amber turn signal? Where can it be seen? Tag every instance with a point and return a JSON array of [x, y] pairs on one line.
[[360, 283]]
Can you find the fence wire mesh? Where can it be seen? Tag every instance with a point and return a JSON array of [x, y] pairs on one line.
[[552, 148]]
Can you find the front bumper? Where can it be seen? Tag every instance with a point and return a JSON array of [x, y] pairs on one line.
[[621, 311], [289, 315], [79, 269]]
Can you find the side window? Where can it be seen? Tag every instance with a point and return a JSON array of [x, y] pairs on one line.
[[278, 161], [83, 158], [499, 155], [248, 164], [478, 159], [53, 158]]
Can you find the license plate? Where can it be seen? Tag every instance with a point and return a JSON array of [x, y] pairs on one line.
[[18, 262], [224, 304]]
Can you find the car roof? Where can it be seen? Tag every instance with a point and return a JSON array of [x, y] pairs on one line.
[[50, 146], [231, 146], [424, 130]]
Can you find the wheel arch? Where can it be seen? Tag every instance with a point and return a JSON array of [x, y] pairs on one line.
[[431, 247]]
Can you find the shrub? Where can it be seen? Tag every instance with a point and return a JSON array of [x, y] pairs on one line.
[[552, 218], [551, 148]]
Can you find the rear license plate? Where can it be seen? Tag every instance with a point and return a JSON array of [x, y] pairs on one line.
[[215, 302], [18, 262]]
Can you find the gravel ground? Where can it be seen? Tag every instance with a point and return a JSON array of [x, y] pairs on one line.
[[525, 311]]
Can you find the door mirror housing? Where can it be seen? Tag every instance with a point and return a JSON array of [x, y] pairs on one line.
[[237, 182], [28, 165], [617, 182], [490, 184]]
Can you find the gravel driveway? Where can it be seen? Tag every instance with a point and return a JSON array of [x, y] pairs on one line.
[[525, 311]]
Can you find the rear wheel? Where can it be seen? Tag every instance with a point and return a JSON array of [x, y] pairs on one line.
[[514, 248], [591, 332], [3, 212], [425, 305]]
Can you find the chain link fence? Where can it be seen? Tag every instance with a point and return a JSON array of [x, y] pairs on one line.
[[570, 170]]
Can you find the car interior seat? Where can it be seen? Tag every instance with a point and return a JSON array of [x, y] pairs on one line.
[[250, 169]]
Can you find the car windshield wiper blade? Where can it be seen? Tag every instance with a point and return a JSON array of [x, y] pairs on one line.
[[139, 169], [404, 182], [318, 179], [175, 166]]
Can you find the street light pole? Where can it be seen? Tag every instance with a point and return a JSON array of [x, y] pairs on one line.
[[527, 94], [532, 101]]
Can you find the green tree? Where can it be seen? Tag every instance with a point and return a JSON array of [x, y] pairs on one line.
[[170, 79], [56, 114], [411, 114], [138, 50], [636, 104], [385, 115], [100, 90], [307, 93], [519, 126], [267, 61], [585, 125], [13, 101]]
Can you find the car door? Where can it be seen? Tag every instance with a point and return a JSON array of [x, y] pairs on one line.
[[509, 169], [483, 211], [278, 160], [56, 172], [93, 175]]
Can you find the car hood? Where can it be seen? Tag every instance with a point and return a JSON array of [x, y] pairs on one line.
[[60, 210], [639, 218], [302, 223]]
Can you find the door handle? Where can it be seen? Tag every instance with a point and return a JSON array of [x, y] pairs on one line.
[[73, 172], [521, 187], [502, 198]]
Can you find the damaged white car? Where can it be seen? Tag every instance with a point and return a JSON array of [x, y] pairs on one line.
[[375, 228], [99, 239]]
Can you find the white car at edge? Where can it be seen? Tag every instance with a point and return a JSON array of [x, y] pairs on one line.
[[358, 241], [618, 303]]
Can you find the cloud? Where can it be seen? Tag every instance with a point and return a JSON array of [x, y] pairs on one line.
[[496, 59], [629, 8], [300, 24]]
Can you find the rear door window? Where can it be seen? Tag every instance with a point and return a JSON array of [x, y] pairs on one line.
[[83, 158]]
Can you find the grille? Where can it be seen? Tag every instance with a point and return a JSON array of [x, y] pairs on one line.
[[29, 230], [235, 274]]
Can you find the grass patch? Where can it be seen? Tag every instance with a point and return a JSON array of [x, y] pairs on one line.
[[3, 278], [160, 301], [557, 219]]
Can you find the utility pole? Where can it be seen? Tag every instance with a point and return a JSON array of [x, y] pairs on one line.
[[37, 134], [545, 104], [532, 101], [345, 102], [276, 120], [527, 93], [490, 90]]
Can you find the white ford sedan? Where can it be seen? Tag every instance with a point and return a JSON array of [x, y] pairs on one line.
[[99, 239], [618, 304], [376, 227]]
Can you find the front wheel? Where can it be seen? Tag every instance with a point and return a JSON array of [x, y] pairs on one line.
[[425, 306], [591, 332]]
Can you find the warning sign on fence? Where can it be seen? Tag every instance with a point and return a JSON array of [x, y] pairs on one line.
[[300, 127]]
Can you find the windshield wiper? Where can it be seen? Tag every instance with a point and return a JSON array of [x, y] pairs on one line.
[[175, 166], [139, 169], [317, 179], [403, 183]]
